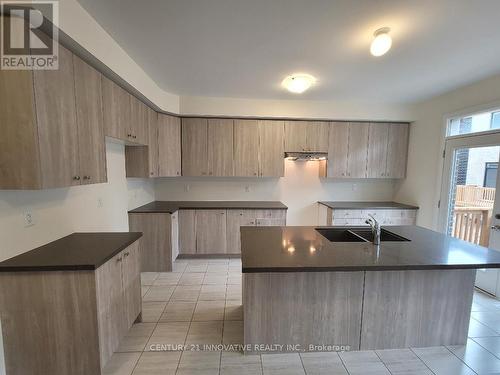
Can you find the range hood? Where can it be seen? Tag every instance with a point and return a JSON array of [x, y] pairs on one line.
[[306, 156]]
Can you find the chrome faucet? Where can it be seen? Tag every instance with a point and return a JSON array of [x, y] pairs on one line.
[[374, 224]]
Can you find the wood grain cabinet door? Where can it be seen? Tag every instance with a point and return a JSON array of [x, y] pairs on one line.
[[397, 150], [210, 231], [91, 143], [271, 146], [246, 148], [138, 124], [116, 110], [194, 147], [57, 126], [377, 150], [338, 149], [296, 136], [110, 306], [131, 279], [153, 143], [234, 220], [169, 146], [220, 147], [317, 136], [358, 150], [187, 231]]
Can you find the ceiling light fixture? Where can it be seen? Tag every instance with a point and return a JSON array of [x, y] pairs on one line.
[[382, 42], [298, 83]]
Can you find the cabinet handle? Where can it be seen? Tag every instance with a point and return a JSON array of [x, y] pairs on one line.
[[129, 135], [343, 174], [255, 173], [135, 136], [127, 254], [210, 173], [86, 177], [76, 178], [151, 173], [178, 173], [119, 259]]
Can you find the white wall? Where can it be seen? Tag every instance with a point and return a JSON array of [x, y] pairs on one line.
[[300, 189], [59, 212], [351, 110], [423, 182]]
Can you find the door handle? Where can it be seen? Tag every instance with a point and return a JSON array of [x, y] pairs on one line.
[[495, 227]]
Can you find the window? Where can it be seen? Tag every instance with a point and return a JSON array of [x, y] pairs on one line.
[[495, 120], [490, 175], [474, 123]]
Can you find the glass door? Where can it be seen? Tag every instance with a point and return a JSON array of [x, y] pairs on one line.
[[469, 201]]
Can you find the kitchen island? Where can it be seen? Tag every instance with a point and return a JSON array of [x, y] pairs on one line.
[[317, 290]]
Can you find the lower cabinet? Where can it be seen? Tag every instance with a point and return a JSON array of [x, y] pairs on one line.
[[119, 300], [210, 232], [68, 321], [217, 231], [156, 242]]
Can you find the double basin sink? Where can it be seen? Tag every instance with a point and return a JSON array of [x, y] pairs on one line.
[[357, 234]]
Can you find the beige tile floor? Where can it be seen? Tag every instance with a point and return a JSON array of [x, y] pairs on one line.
[[200, 303]]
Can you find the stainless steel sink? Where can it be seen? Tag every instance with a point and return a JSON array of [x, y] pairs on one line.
[[340, 235], [357, 234]]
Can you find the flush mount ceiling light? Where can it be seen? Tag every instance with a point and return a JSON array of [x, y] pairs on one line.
[[382, 42], [298, 83]]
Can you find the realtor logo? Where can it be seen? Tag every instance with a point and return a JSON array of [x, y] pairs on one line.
[[29, 35]]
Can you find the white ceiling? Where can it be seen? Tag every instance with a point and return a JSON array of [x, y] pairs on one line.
[[244, 48]]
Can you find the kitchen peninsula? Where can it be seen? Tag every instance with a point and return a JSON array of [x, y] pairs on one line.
[[322, 286]]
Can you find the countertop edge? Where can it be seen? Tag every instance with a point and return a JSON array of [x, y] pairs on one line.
[[176, 207], [365, 269], [358, 205]]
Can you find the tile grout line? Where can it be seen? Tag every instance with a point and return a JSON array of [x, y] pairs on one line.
[[390, 372], [416, 355], [343, 364], [461, 360]]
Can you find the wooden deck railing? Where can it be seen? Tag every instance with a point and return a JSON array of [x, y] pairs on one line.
[[474, 196], [472, 224]]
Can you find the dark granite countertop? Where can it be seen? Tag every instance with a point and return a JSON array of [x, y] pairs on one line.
[[172, 206], [303, 249], [78, 251], [341, 205]]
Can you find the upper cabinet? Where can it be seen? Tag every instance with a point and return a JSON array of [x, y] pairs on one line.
[[363, 150], [357, 156], [116, 109], [125, 117], [397, 150], [338, 147], [194, 147], [220, 147], [138, 125], [246, 148], [306, 136], [169, 145], [52, 126], [271, 148], [89, 116]]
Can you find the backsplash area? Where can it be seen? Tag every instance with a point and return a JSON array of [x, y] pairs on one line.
[[300, 189]]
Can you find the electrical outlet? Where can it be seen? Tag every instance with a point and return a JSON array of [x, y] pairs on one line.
[[29, 219], [187, 188], [354, 187], [247, 189], [100, 203]]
